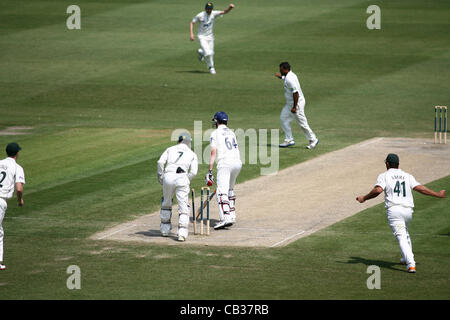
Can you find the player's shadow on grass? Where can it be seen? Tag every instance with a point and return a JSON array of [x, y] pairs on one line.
[[193, 71], [369, 262]]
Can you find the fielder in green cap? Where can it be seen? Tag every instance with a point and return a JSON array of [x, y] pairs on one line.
[[177, 166], [397, 186], [205, 34], [12, 178]]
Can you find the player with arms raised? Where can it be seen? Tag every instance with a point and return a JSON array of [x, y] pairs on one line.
[[224, 147], [397, 185], [205, 33]]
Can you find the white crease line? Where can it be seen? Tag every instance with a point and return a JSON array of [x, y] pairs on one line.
[[117, 231], [370, 142], [263, 229], [288, 238]]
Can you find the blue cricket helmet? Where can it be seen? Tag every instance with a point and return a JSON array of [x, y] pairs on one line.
[[220, 116]]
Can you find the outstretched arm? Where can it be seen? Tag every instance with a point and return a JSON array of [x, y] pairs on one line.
[[426, 191], [372, 194], [230, 7]]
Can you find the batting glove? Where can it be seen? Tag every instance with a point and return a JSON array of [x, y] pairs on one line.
[[209, 178]]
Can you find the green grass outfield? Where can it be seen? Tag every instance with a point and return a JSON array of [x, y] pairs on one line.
[[102, 102]]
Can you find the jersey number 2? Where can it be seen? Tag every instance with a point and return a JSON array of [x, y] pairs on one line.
[[397, 188], [3, 173]]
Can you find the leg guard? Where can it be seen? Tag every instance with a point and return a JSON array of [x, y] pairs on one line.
[[166, 226], [183, 225], [232, 201], [224, 207]]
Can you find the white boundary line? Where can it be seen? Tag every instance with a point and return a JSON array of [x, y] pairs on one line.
[[288, 238]]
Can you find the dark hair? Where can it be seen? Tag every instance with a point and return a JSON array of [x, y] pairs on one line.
[[392, 165], [285, 65]]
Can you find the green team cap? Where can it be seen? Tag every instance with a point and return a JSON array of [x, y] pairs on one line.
[[392, 158], [209, 5], [12, 149], [186, 137]]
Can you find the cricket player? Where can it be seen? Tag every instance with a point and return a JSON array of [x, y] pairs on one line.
[[224, 147], [12, 177], [175, 179], [399, 203], [294, 108], [205, 33]]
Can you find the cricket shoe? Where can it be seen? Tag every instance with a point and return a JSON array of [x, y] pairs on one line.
[[287, 143], [412, 270], [181, 239], [403, 261], [312, 144], [212, 70], [201, 57], [2, 267], [222, 224], [164, 234]]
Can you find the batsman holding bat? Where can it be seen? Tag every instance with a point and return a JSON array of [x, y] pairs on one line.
[[397, 185], [225, 148]]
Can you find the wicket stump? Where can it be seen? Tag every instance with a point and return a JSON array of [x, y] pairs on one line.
[[442, 116], [204, 191]]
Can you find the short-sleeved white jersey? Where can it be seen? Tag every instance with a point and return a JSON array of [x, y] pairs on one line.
[[397, 185], [291, 85], [177, 156], [10, 174], [225, 142], [206, 23]]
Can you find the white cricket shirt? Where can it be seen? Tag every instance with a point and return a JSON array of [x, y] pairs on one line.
[[225, 142], [206, 23], [397, 185], [181, 156], [10, 174], [291, 85]]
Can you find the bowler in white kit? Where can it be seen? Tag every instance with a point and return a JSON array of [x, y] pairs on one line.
[[397, 186], [294, 109], [224, 147], [177, 166], [205, 34], [12, 178]]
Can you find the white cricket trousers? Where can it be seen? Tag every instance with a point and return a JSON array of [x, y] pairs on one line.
[[207, 49], [175, 184], [399, 218], [3, 207], [287, 116], [226, 180]]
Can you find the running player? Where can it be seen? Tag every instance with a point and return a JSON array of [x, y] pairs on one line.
[[205, 33], [12, 177], [397, 185]]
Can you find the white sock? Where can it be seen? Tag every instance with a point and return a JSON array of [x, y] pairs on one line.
[[210, 61]]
